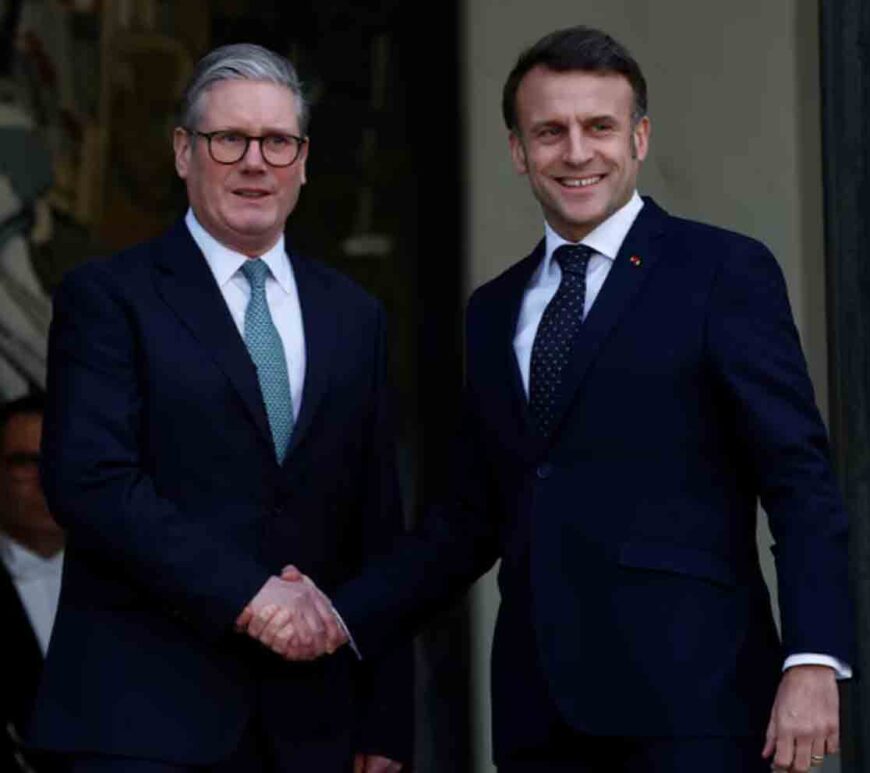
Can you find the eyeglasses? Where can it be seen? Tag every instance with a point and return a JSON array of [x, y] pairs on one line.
[[229, 147]]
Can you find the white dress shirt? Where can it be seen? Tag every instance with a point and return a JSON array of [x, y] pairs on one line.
[[37, 581], [282, 297], [606, 239]]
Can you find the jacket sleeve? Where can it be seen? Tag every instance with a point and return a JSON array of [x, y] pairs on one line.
[[756, 355]]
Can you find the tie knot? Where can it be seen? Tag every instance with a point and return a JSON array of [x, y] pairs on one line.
[[256, 271], [573, 258]]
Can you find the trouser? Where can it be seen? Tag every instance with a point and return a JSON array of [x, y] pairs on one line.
[[256, 752], [574, 752]]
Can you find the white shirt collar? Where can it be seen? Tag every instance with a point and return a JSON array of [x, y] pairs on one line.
[[23, 564], [225, 263], [606, 238]]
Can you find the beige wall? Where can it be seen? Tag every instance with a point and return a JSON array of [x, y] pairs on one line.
[[734, 106]]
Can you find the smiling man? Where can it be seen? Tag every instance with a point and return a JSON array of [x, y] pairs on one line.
[[581, 143], [622, 303], [216, 410], [635, 386]]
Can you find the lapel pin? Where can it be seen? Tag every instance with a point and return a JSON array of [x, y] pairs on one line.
[[635, 260]]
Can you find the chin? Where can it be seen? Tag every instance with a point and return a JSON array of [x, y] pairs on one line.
[[584, 222], [251, 219], [253, 228]]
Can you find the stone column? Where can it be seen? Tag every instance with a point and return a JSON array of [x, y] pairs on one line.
[[845, 85]]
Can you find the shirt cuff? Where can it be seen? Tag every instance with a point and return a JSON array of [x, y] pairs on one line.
[[352, 644], [841, 669]]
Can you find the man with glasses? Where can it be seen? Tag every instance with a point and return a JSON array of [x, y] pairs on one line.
[[216, 410], [31, 559]]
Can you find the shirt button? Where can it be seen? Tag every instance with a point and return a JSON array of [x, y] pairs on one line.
[[544, 470]]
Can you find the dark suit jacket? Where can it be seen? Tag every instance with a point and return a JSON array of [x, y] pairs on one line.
[[632, 597], [21, 669], [158, 461]]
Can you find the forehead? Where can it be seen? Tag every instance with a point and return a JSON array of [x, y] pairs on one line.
[[545, 95], [246, 104]]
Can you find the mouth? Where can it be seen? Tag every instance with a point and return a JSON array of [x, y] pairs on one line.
[[580, 182], [251, 193]]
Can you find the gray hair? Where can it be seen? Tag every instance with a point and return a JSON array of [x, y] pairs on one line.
[[235, 62]]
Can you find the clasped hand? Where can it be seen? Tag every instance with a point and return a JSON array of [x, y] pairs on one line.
[[293, 618]]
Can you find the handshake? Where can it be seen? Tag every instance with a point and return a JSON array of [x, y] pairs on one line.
[[293, 618]]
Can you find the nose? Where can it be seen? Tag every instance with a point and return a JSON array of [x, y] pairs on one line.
[[253, 158], [578, 149]]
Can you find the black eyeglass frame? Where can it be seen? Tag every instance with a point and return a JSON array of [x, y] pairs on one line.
[[300, 143]]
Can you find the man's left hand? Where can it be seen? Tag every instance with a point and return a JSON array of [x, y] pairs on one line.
[[805, 721], [372, 763]]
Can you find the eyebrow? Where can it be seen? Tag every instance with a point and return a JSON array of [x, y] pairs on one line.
[[600, 118], [265, 132], [546, 122]]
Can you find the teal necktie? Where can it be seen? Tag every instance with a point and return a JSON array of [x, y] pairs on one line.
[[267, 352]]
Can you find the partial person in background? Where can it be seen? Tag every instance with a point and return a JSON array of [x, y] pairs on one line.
[[31, 560], [217, 407], [635, 387]]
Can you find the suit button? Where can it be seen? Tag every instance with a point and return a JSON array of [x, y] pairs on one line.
[[544, 470]]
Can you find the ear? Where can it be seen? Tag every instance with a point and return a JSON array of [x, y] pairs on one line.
[[640, 137], [518, 153], [182, 147]]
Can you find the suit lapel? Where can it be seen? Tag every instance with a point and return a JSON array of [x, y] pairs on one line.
[[320, 322], [188, 287], [500, 361], [636, 260]]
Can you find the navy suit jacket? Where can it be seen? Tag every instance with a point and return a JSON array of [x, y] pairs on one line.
[[632, 598], [158, 461], [22, 665]]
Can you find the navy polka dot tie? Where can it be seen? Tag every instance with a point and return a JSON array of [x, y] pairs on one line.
[[267, 352], [557, 330]]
